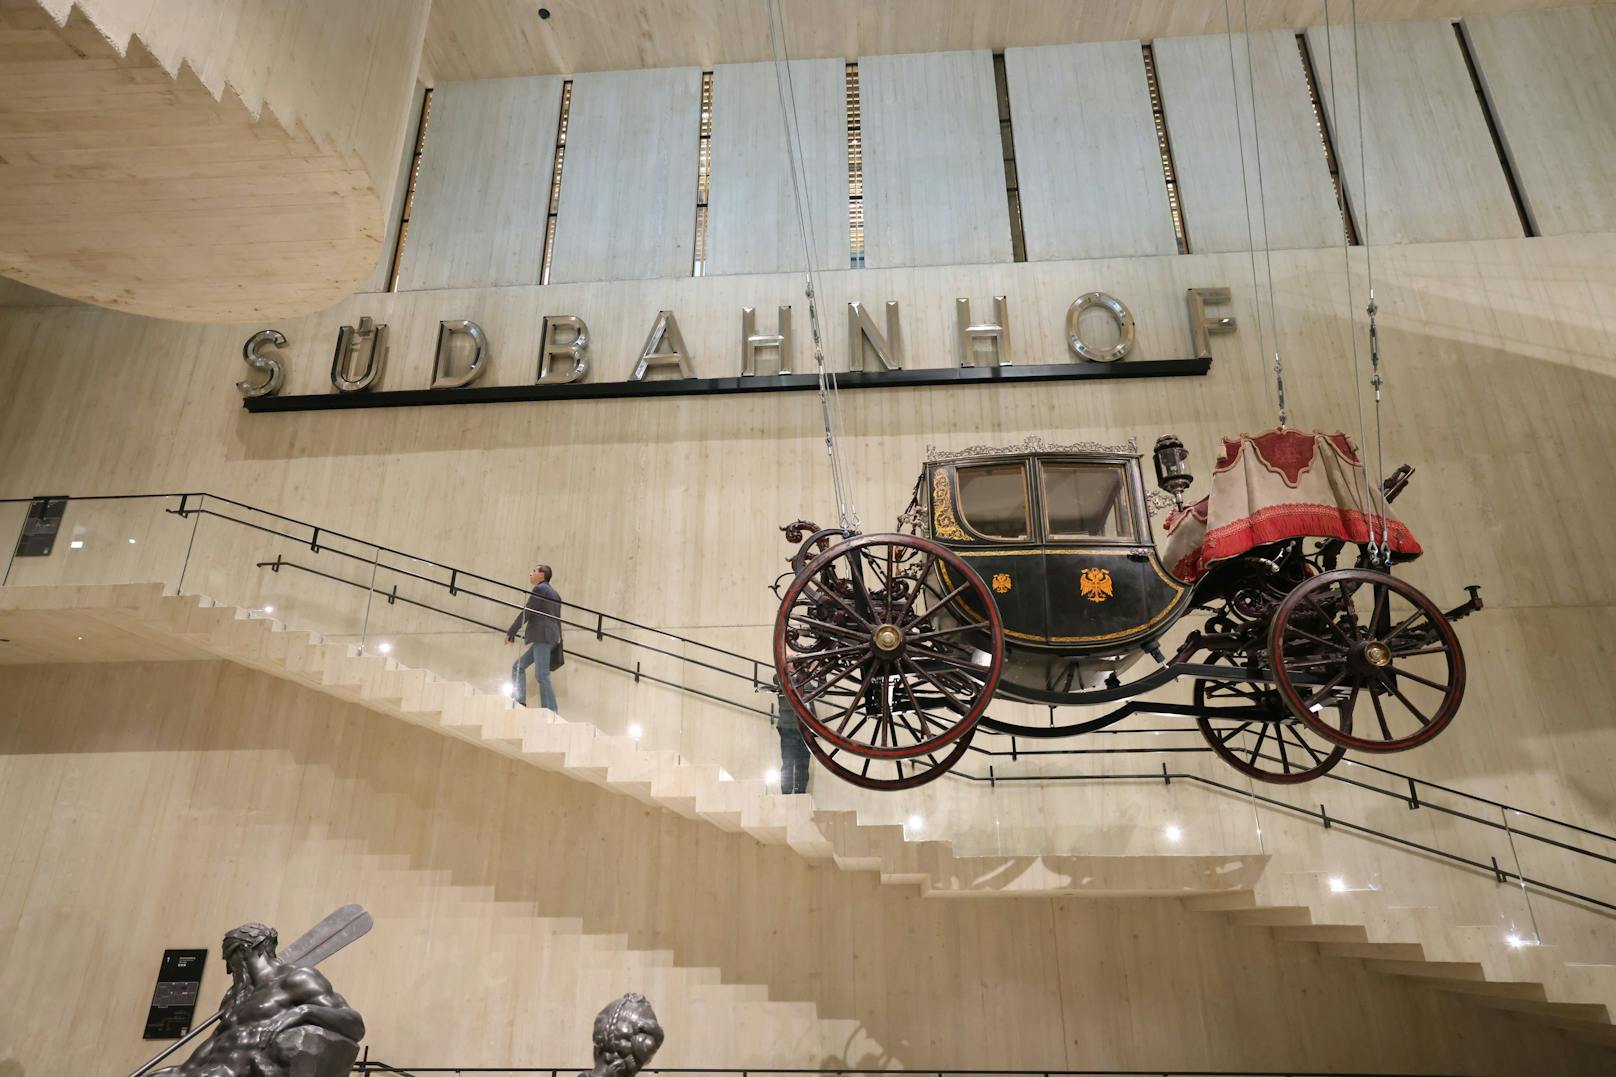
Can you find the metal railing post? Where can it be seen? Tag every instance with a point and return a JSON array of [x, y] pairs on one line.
[[185, 566], [370, 593]]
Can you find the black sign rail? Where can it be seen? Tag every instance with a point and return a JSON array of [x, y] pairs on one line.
[[758, 383]]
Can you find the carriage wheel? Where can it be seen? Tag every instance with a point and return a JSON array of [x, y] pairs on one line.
[[879, 656], [1248, 728], [1374, 649], [890, 774]]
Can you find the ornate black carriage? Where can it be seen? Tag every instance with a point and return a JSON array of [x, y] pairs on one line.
[[1031, 574]]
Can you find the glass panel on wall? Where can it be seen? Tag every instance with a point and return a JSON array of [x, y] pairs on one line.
[[1087, 501], [993, 500]]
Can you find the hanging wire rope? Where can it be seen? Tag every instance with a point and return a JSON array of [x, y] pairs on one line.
[[1262, 206], [1334, 112], [829, 396], [1245, 191], [1377, 495], [1374, 501]]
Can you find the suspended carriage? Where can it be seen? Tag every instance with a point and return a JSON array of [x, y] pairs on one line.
[[1030, 574]]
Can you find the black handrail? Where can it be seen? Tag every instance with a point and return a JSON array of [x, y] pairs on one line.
[[1500, 874], [370, 1066], [1495, 869], [1413, 800], [320, 538], [638, 674]]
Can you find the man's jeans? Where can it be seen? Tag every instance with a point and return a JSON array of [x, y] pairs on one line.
[[793, 759], [536, 655]]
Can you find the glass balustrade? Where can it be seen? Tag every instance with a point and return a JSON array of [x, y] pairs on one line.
[[1386, 845]]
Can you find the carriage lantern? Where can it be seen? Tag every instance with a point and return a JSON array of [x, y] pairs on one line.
[[1171, 473]]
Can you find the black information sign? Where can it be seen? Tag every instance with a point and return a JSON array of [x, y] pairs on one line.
[[173, 1003], [39, 529]]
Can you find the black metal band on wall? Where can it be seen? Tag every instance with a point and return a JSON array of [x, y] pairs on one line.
[[760, 383]]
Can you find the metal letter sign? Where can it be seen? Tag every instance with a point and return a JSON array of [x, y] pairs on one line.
[[982, 355], [367, 344], [1119, 314], [481, 354], [861, 330], [173, 1004], [665, 330], [269, 365], [1202, 327], [574, 351], [996, 332], [752, 340]]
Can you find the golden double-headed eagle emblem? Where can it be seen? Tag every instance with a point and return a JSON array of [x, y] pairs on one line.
[[1001, 582], [1095, 584]]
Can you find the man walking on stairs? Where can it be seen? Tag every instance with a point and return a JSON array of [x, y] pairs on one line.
[[540, 625]]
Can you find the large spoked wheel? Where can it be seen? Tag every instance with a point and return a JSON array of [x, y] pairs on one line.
[[881, 653], [1247, 727], [1372, 649], [889, 774]]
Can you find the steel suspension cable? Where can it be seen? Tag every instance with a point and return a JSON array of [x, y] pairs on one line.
[[1377, 494], [1245, 190], [1369, 488], [1262, 206], [829, 396]]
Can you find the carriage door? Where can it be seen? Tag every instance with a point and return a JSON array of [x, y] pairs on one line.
[[1095, 560], [996, 512]]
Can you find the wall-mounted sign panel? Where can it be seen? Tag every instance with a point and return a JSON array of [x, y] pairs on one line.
[[761, 383], [39, 530], [173, 1004]]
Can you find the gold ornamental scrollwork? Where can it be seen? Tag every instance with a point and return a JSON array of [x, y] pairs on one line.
[[944, 526]]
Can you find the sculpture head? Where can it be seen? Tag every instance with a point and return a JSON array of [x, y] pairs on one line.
[[241, 942], [627, 1035]]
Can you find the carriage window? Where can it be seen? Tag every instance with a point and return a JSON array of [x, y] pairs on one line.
[[993, 500], [1087, 501]]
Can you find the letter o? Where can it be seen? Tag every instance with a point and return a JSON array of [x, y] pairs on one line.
[[1119, 314]]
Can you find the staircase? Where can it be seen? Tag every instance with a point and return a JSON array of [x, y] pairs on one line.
[[1418, 943], [202, 162]]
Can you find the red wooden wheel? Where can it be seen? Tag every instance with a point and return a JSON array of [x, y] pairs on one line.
[[878, 656], [1248, 728], [1372, 649], [889, 774]]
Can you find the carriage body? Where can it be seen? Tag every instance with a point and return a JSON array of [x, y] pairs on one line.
[[1063, 538]]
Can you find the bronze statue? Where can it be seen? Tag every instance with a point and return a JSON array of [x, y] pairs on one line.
[[626, 1036], [279, 1019]]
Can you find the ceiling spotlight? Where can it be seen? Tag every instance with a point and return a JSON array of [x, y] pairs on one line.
[[76, 544], [636, 731], [1338, 885], [507, 689], [772, 776], [1173, 832], [385, 647], [131, 542], [915, 823], [269, 609]]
